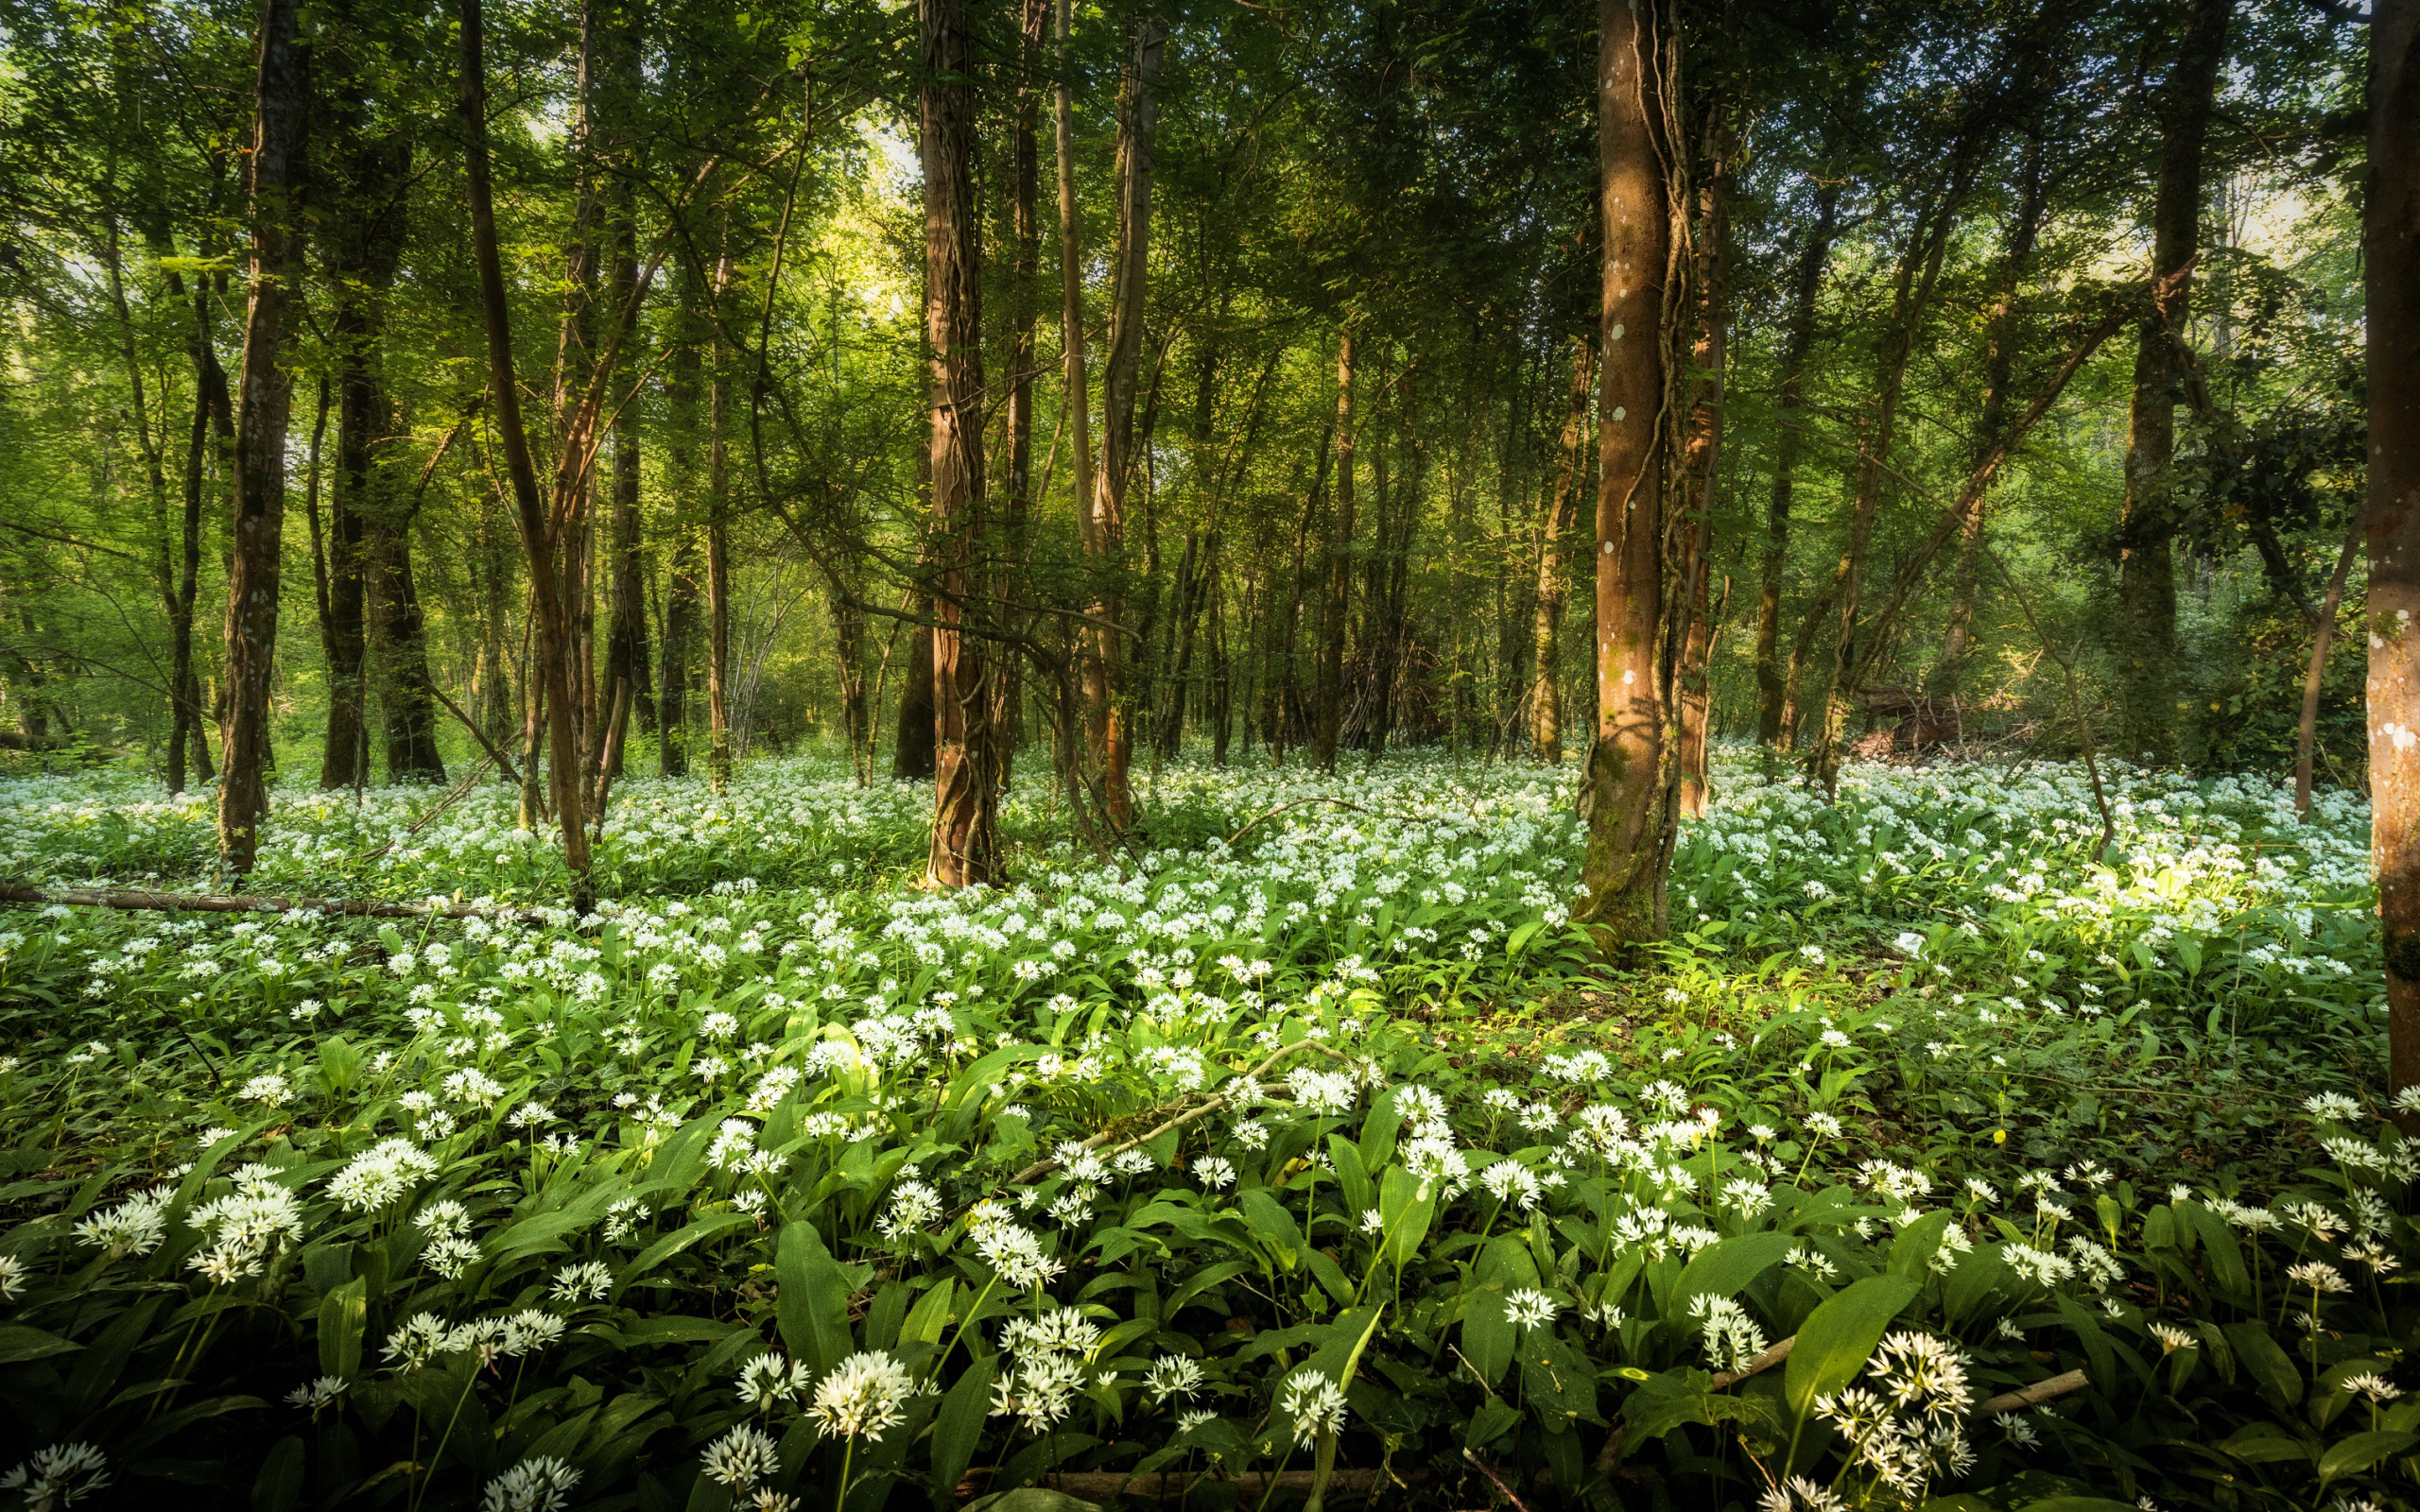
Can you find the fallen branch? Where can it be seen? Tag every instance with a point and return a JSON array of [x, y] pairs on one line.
[[1271, 814], [178, 903], [1484, 1469], [2034, 1394], [1041, 1168], [468, 781]]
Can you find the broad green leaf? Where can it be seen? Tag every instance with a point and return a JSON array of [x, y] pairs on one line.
[[278, 1486], [2279, 1379], [1838, 1337], [1495, 1418], [811, 1302], [2353, 1455], [958, 1428], [1272, 1225], [1725, 1268], [343, 1314], [1918, 1242], [1488, 1335]]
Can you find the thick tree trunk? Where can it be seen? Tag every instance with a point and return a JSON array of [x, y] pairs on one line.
[[1120, 384], [2147, 566], [280, 102], [1701, 469], [1789, 396], [2391, 281], [965, 837], [1626, 793], [1546, 696], [912, 749], [1328, 696], [407, 693]]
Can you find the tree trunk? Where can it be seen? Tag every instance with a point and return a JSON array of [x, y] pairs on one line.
[[1546, 696], [1024, 274], [2147, 566], [1327, 696], [1999, 357], [1919, 274], [965, 834], [550, 689], [281, 101], [407, 693], [681, 608], [1626, 792], [1798, 341], [718, 549], [1121, 378], [1093, 673], [1701, 469], [625, 657], [2391, 281]]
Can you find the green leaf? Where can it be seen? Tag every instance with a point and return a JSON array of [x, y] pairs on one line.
[[1838, 1337], [1725, 1268], [1918, 1242], [1031, 1498], [958, 1428], [1272, 1225], [2353, 1455], [812, 1301], [1487, 1335], [2078, 1503], [1200, 1281], [1495, 1418], [680, 1239], [19, 1342], [2279, 1380], [279, 1487], [343, 1314]]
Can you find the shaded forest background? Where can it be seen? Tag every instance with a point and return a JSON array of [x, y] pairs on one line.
[[1341, 374]]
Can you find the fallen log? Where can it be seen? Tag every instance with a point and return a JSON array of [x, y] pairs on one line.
[[180, 903]]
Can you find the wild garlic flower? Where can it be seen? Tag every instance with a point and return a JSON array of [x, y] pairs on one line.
[[1214, 1173], [314, 1395], [540, 1484], [742, 1458], [865, 1396], [586, 1280], [1919, 1370], [1173, 1375], [134, 1227], [2371, 1385], [1059, 1331], [1731, 1338], [1314, 1402], [1798, 1494], [1039, 1391], [381, 1176], [2172, 1338], [58, 1476], [2320, 1276], [1525, 1307]]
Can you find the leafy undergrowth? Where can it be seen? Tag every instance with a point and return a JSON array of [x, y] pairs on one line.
[[1323, 1167]]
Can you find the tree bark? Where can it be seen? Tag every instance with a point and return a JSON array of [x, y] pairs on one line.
[[541, 525], [1627, 789], [279, 103], [1024, 274], [1093, 673], [1701, 469], [1789, 396], [2391, 283], [965, 837], [719, 545], [1120, 383], [625, 654], [1328, 696], [1546, 696], [2147, 566]]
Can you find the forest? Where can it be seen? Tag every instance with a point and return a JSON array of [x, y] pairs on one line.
[[1212, 754]]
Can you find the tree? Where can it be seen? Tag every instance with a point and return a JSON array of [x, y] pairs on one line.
[[2147, 572], [1627, 788], [966, 838], [2391, 281], [281, 102]]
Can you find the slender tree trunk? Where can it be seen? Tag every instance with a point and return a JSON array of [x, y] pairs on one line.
[[1327, 696], [685, 377], [1701, 471], [1546, 690], [719, 550], [2000, 358], [2391, 281], [2147, 560], [406, 692], [1093, 673], [1798, 341], [2322, 634], [541, 537], [1025, 275], [1393, 554], [965, 837], [1627, 790], [1121, 378], [681, 603], [280, 102], [626, 655]]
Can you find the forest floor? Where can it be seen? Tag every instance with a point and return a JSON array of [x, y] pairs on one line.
[[1265, 1148]]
